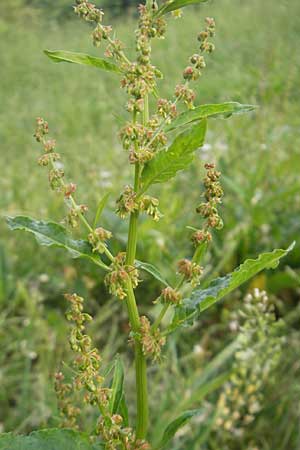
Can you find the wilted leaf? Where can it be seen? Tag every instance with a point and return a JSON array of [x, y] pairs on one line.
[[52, 439], [83, 59], [178, 156], [213, 110], [52, 234], [201, 299], [172, 5], [152, 270]]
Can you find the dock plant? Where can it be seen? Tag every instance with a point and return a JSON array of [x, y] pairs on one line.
[[160, 137]]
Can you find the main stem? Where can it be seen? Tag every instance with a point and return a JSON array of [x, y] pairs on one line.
[[140, 360]]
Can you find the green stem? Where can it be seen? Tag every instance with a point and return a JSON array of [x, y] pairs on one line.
[[140, 360], [160, 316]]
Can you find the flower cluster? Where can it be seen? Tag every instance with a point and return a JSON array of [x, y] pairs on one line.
[[89, 12], [129, 202], [258, 354], [142, 141], [86, 365], [68, 411], [183, 92], [171, 296], [116, 280], [114, 436], [197, 62], [98, 238], [208, 210], [56, 173], [88, 360], [190, 270], [203, 36], [87, 379], [140, 77], [152, 341]]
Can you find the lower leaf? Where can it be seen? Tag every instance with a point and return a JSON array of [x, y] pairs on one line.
[[51, 439], [201, 299]]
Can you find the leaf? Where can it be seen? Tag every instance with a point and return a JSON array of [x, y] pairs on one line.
[[213, 110], [174, 426], [201, 299], [100, 208], [83, 59], [117, 386], [52, 234], [176, 4], [152, 270], [51, 439], [123, 411], [178, 156]]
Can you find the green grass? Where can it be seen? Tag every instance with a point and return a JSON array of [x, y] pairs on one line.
[[257, 61]]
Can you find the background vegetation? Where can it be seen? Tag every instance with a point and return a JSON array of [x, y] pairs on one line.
[[257, 61]]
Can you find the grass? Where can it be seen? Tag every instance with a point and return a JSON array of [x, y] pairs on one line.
[[257, 61]]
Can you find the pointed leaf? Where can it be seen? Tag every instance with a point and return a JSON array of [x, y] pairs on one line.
[[172, 5], [123, 411], [117, 386], [52, 234], [174, 426], [83, 59], [100, 208], [213, 110], [52, 439], [201, 299], [152, 270], [178, 156]]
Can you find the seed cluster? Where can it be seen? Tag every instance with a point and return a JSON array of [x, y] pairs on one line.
[[130, 202], [56, 174], [208, 210], [116, 280], [190, 270], [86, 366], [152, 341], [98, 238], [171, 296]]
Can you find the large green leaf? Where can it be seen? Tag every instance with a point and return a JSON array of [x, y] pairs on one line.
[[178, 156], [52, 439], [83, 59], [152, 270], [117, 386], [52, 234], [174, 426], [172, 5], [201, 299], [213, 110]]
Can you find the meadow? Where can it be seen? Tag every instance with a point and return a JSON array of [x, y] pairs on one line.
[[257, 61]]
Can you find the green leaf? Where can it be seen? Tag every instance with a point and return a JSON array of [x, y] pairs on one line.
[[52, 234], [51, 439], [123, 411], [117, 386], [201, 299], [100, 208], [83, 59], [152, 270], [172, 5], [174, 426], [213, 110], [178, 156]]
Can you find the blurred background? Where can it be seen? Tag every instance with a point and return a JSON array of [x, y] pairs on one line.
[[257, 60]]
